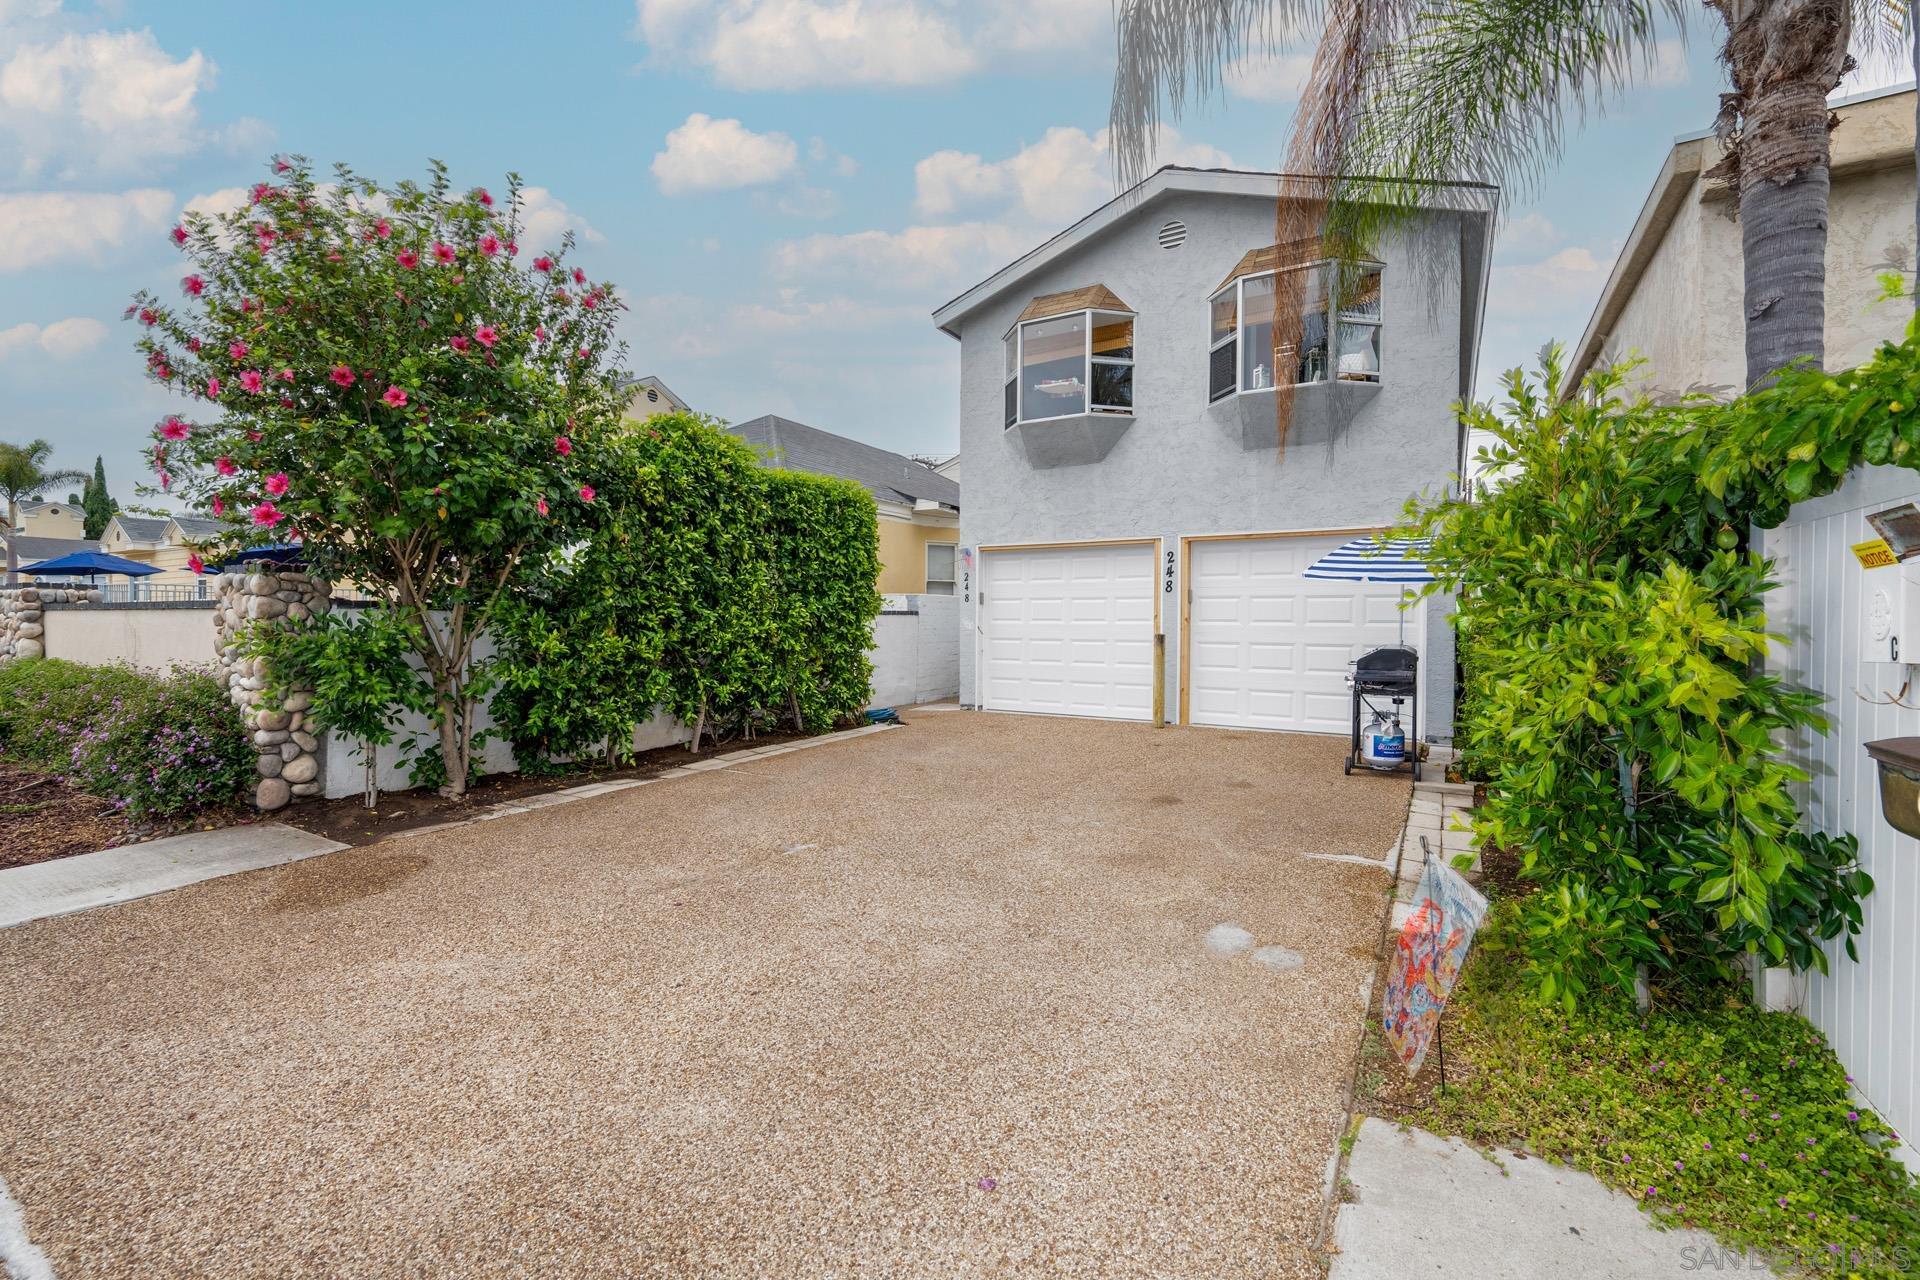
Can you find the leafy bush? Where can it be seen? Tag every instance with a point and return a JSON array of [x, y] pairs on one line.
[[155, 745], [1612, 635], [728, 593], [1730, 1119]]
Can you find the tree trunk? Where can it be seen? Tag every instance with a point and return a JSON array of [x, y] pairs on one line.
[[13, 553], [1784, 239]]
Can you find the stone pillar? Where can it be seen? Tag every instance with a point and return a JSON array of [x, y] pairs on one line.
[[289, 752], [23, 619]]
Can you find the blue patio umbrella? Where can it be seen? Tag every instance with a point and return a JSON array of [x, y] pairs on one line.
[[280, 553], [1376, 560], [88, 564]]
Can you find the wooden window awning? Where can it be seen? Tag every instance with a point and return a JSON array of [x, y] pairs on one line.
[[1093, 297]]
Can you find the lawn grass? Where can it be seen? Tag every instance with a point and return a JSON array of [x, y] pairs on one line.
[[1734, 1120]]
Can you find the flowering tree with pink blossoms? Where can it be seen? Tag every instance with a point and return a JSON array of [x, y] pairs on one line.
[[387, 377]]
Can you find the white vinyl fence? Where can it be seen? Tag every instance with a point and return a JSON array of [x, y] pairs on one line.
[[1867, 1010]]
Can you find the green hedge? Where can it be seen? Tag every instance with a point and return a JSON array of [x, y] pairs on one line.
[[734, 595], [155, 745]]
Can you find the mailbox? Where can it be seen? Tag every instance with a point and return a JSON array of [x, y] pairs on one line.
[[1899, 763]]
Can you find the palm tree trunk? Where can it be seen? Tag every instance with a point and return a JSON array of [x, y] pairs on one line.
[[1784, 240], [13, 553]]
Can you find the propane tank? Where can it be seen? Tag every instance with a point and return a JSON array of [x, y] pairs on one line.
[[1384, 743]]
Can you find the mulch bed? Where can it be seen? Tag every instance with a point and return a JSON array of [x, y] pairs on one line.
[[42, 818], [349, 821]]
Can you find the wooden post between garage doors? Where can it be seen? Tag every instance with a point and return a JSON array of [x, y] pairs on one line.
[[1159, 679]]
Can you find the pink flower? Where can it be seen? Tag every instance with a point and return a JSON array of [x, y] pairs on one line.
[[194, 286], [541, 506], [148, 317], [286, 375], [443, 253], [489, 244], [591, 301], [280, 165], [480, 194], [561, 296], [264, 237], [250, 381], [193, 345], [268, 515], [539, 333], [513, 249], [195, 563], [213, 388], [579, 276], [179, 234], [174, 429], [219, 506], [342, 376], [260, 191], [543, 263], [407, 258], [247, 305], [583, 353], [382, 229], [166, 479], [486, 335], [238, 350], [562, 445], [586, 493], [224, 466], [459, 342], [395, 397], [277, 483]]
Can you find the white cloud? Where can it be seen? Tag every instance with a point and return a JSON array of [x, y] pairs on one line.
[[1052, 181], [1668, 66], [103, 101], [915, 258], [215, 203], [63, 339], [705, 154], [1529, 233], [1569, 279], [800, 44], [545, 219], [1269, 76], [44, 227]]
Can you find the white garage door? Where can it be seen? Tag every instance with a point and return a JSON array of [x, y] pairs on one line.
[[1267, 648], [1069, 631]]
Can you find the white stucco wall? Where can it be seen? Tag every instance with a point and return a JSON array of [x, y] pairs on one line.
[[1183, 467], [153, 638], [915, 654]]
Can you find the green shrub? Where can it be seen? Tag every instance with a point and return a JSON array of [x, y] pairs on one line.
[[155, 745], [731, 594], [1730, 1119]]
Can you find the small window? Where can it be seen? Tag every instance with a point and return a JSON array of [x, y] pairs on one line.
[[1066, 365], [940, 557]]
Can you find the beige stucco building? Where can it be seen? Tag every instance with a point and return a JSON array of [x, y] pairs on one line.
[[1676, 299], [52, 520]]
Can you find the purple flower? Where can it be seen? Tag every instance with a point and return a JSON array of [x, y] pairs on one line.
[[1851, 1115], [987, 1184]]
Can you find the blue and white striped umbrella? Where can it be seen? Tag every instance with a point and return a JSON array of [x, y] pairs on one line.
[[1374, 560]]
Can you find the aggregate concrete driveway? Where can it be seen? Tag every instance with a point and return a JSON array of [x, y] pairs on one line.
[[931, 1002]]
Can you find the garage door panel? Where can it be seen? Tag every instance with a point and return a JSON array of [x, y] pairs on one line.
[[1268, 648], [1081, 640]]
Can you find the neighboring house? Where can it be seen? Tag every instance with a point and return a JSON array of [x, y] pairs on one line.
[[1676, 297], [164, 542], [648, 395], [919, 507], [32, 549], [52, 520], [1125, 475]]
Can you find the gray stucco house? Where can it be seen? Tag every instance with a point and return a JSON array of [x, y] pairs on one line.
[[1127, 491]]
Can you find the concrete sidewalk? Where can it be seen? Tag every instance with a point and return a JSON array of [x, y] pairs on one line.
[[138, 870], [1428, 1206]]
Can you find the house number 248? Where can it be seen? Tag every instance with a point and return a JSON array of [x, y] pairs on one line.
[[1168, 588]]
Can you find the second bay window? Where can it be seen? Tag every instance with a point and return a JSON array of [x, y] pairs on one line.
[[1337, 337]]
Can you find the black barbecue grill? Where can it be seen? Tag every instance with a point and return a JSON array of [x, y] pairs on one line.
[[1385, 675]]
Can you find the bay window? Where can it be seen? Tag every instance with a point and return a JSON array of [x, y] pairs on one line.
[[1339, 337], [1062, 366]]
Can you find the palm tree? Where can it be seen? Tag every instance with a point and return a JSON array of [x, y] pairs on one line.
[[24, 474], [1406, 93]]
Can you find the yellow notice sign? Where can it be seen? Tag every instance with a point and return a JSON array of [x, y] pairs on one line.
[[1874, 553]]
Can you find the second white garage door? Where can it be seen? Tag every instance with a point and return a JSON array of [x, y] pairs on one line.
[[1268, 648], [1069, 630]]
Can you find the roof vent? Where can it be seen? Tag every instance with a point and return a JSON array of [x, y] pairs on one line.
[[653, 397], [1173, 234]]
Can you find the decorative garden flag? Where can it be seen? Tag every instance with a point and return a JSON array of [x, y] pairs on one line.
[[1428, 954]]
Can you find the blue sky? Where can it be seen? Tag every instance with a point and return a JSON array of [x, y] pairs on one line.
[[783, 189]]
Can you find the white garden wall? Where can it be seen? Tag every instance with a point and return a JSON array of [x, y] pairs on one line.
[[1869, 1011], [153, 636], [916, 651]]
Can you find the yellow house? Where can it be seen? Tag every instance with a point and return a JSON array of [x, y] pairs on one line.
[[648, 395], [52, 520], [163, 542], [919, 507]]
